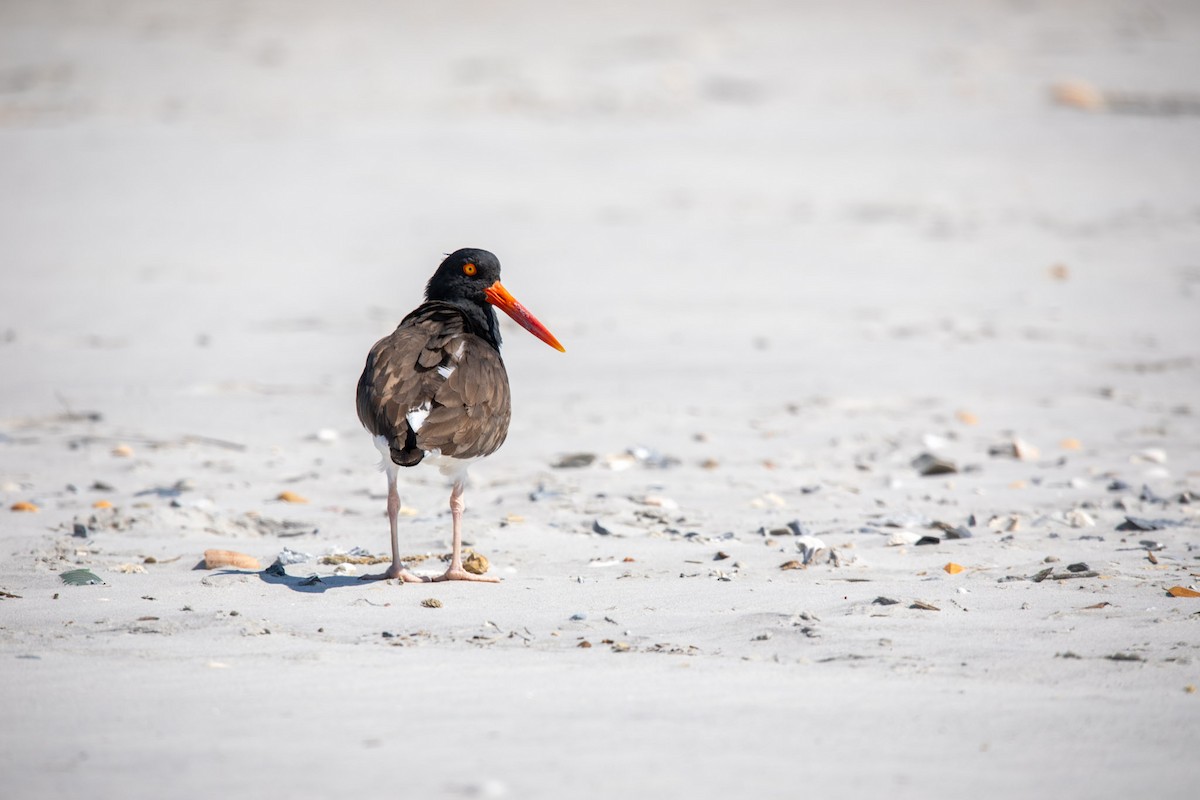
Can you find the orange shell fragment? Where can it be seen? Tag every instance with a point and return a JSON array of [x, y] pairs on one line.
[[1182, 591], [966, 417], [291, 497], [953, 568], [24, 506], [229, 558]]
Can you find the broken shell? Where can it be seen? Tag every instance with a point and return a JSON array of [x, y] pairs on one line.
[[291, 497], [130, 569], [768, 500], [122, 451], [809, 546], [1078, 518], [901, 538], [1071, 444], [1182, 591], [345, 558], [431, 602], [1153, 455], [228, 558], [475, 563], [953, 568], [102, 504], [658, 502], [24, 506], [1024, 450], [81, 577], [1017, 448]]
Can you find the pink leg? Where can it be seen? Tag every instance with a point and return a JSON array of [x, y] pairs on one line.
[[456, 571], [396, 570]]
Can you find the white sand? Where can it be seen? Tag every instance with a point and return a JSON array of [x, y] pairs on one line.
[[783, 245]]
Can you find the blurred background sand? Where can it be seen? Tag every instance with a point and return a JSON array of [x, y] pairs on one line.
[[235, 193]]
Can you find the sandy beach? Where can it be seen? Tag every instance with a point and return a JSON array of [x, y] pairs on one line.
[[871, 468]]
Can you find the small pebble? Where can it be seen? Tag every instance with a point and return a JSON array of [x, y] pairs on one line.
[[431, 602], [928, 464], [574, 461]]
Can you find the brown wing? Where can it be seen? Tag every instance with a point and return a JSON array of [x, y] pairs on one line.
[[432, 385]]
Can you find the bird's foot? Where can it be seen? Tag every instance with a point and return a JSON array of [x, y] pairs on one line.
[[460, 574], [396, 571]]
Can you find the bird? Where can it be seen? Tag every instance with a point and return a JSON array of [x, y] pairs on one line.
[[435, 391]]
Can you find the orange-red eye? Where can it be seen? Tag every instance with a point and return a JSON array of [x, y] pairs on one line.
[[470, 269]]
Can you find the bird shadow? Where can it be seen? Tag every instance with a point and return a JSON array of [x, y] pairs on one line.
[[275, 575]]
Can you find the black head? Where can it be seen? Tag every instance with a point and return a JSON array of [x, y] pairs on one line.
[[464, 275], [469, 279]]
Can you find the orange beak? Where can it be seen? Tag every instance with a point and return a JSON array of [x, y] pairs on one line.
[[498, 296]]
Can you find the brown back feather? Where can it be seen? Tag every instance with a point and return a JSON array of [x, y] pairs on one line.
[[469, 410]]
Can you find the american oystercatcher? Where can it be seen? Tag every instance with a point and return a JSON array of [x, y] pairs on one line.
[[435, 390]]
